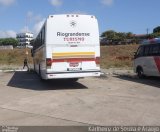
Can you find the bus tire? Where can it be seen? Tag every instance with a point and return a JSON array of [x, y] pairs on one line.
[[40, 74], [140, 72], [34, 67]]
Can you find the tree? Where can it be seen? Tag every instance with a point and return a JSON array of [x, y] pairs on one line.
[[110, 34], [156, 30], [9, 41], [1, 40], [154, 35], [129, 35]]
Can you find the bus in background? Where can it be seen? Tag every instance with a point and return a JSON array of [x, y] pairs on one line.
[[147, 58], [67, 46]]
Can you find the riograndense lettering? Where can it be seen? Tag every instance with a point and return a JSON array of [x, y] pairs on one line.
[[72, 34]]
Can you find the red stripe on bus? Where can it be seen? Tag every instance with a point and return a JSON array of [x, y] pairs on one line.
[[157, 60], [73, 59]]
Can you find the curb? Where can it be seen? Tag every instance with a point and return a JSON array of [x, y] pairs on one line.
[[12, 70]]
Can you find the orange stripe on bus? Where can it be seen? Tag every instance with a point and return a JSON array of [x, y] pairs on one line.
[[73, 53], [73, 60]]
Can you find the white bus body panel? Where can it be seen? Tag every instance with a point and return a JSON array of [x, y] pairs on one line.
[[147, 58], [72, 43], [149, 65]]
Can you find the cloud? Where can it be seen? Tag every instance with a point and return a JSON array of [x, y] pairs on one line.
[[35, 28], [31, 17], [37, 18], [7, 2], [8, 34], [56, 3], [34, 23], [107, 2], [29, 14], [38, 26], [25, 29], [78, 12]]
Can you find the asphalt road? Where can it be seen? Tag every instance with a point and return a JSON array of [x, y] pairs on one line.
[[109, 100]]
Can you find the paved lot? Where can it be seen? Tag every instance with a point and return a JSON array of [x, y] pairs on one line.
[[113, 100]]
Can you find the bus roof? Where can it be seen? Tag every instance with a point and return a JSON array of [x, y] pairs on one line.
[[70, 15], [152, 41]]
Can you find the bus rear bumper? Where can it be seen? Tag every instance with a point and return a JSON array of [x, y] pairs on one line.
[[64, 75]]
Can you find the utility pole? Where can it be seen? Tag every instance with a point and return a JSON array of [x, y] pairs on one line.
[[147, 31], [28, 19], [26, 26]]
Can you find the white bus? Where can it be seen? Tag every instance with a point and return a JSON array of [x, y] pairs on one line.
[[147, 58], [67, 46]]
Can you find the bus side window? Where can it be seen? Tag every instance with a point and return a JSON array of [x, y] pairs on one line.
[[159, 50], [140, 52], [150, 50], [43, 35], [155, 50], [146, 50]]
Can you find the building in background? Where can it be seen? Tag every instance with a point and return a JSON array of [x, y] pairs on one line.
[[24, 39]]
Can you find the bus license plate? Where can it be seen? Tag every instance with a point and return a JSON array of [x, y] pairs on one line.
[[74, 66], [74, 69]]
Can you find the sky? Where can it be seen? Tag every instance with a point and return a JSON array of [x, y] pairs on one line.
[[134, 16]]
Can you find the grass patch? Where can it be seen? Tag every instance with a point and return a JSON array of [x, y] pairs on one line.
[[14, 57], [117, 56], [111, 57]]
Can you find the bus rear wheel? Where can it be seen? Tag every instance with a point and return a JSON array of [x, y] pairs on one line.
[[34, 67], [40, 74], [140, 73]]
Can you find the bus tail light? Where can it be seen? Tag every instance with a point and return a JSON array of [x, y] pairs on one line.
[[48, 62], [98, 61]]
